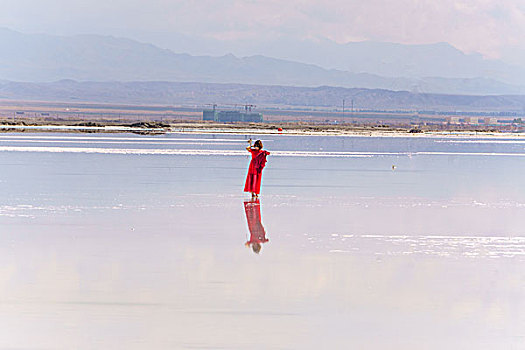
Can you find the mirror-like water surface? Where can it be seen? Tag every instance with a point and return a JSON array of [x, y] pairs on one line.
[[124, 241]]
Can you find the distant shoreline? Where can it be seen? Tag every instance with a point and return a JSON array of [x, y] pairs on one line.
[[154, 128]]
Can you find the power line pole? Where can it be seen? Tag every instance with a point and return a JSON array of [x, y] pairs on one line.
[[343, 108]]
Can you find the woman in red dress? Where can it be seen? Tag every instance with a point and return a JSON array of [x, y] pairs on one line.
[[253, 179]]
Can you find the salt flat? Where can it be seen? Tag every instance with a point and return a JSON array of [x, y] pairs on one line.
[[124, 241]]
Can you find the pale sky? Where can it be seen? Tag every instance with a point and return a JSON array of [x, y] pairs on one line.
[[490, 27]]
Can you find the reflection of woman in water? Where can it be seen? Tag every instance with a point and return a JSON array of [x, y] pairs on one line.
[[257, 233], [253, 179]]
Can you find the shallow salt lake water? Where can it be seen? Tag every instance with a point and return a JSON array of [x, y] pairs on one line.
[[133, 242]]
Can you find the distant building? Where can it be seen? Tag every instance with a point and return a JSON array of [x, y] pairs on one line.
[[209, 114], [453, 120], [472, 120], [231, 116], [490, 120]]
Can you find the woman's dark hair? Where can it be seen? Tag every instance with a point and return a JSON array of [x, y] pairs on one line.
[[258, 144], [256, 247]]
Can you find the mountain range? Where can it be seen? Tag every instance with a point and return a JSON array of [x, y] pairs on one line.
[[47, 58], [202, 94], [380, 58]]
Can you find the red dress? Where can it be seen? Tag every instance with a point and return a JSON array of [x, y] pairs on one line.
[[253, 179], [253, 217]]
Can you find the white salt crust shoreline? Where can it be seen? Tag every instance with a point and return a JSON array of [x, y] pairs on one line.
[[192, 129]]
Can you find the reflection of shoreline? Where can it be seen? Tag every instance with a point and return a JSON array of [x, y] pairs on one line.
[[252, 208], [233, 152], [493, 247]]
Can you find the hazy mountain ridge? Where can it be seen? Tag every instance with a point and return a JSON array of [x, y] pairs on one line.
[[411, 61], [40, 58], [380, 58], [169, 93]]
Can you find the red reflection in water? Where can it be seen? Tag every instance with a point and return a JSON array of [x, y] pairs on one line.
[[252, 209]]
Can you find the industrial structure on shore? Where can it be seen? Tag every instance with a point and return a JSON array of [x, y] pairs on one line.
[[230, 116]]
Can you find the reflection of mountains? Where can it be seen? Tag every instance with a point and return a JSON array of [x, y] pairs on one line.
[[252, 209]]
